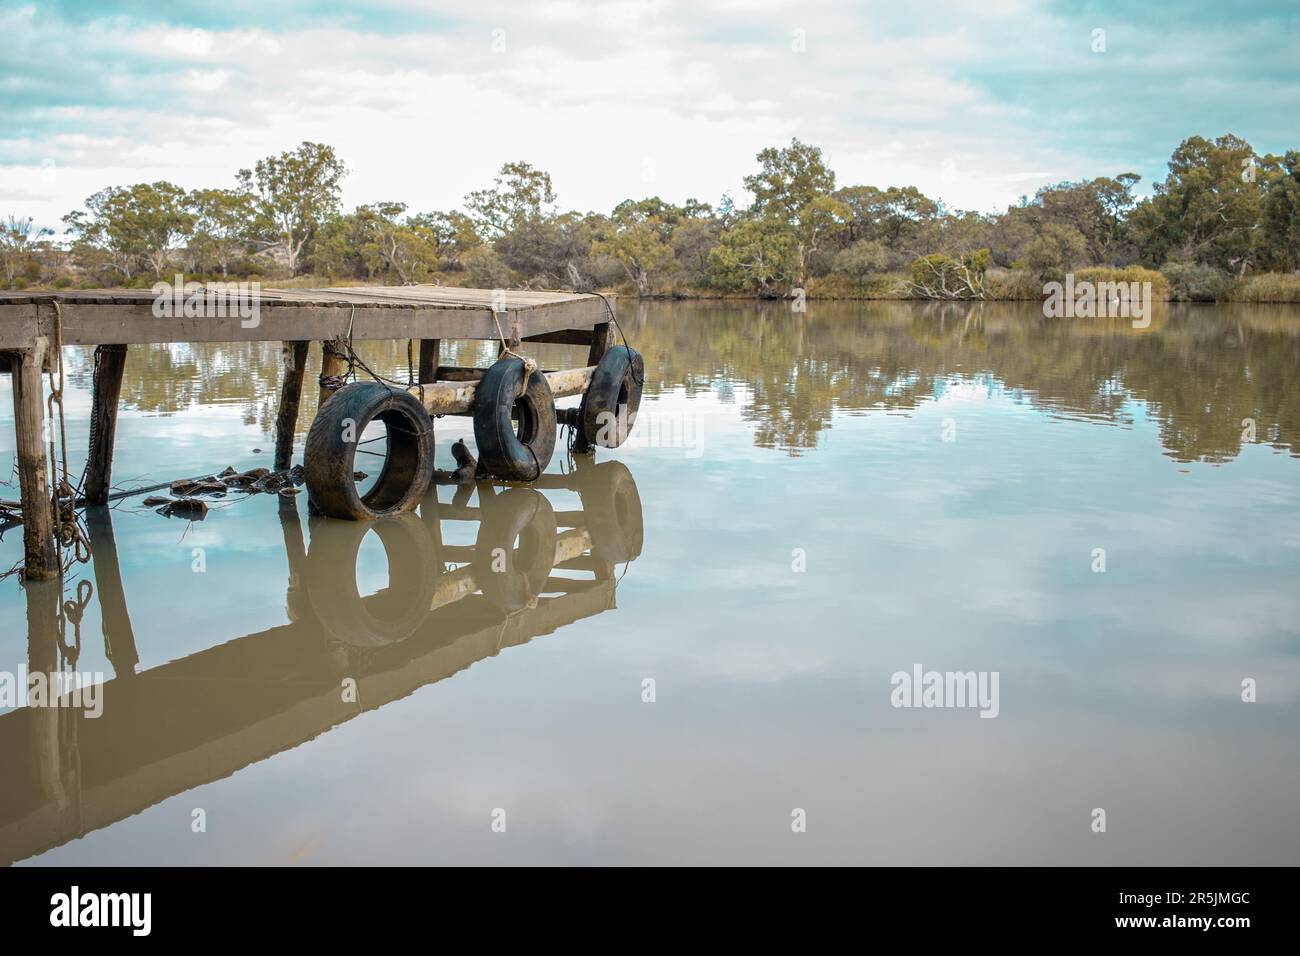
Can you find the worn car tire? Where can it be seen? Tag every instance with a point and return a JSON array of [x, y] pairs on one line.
[[329, 461], [519, 453], [610, 403]]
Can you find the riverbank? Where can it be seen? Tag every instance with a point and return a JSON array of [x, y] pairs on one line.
[[1012, 285], [1176, 283]]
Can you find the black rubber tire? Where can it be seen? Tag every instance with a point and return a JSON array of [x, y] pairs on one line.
[[392, 614], [612, 508], [511, 578], [504, 450], [329, 462], [615, 384]]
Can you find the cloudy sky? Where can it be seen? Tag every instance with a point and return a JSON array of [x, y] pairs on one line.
[[976, 103]]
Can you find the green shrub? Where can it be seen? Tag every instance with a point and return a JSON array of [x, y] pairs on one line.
[[1194, 282]]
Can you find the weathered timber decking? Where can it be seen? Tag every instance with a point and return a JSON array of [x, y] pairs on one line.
[[33, 324], [126, 317]]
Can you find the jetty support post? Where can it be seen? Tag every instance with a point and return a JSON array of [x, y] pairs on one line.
[[332, 364], [294, 357], [110, 363], [40, 560], [602, 340], [429, 352]]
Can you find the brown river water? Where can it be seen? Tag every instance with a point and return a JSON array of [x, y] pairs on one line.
[[1100, 524]]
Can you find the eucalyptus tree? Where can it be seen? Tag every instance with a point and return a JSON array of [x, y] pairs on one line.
[[144, 224], [794, 187], [296, 192]]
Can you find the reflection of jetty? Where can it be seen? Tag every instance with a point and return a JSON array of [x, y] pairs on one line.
[[182, 724]]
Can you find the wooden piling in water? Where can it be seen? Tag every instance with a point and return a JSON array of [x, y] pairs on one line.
[[602, 340], [110, 363], [294, 357], [429, 349], [332, 364], [41, 561]]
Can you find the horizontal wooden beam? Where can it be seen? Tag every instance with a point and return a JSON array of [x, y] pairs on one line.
[[449, 398], [563, 337], [132, 322], [453, 373]]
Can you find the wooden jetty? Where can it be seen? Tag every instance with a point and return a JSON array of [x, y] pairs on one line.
[[189, 722], [34, 326]]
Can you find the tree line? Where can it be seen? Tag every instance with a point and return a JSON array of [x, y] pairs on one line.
[[1223, 214]]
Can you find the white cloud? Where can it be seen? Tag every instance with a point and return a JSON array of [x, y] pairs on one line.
[[588, 92]]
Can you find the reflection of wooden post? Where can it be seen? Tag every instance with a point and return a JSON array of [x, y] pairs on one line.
[[295, 550], [294, 355], [43, 658], [429, 349], [110, 363], [114, 620], [428, 373], [40, 560], [431, 513], [332, 363]]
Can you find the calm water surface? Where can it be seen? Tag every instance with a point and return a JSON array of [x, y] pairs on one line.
[[943, 477]]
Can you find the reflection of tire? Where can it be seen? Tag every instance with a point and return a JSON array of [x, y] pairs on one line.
[[511, 577], [329, 461], [391, 614], [612, 508], [505, 451], [610, 403]]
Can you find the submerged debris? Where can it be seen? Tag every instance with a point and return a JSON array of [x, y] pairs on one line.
[[252, 482], [187, 488], [192, 508]]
